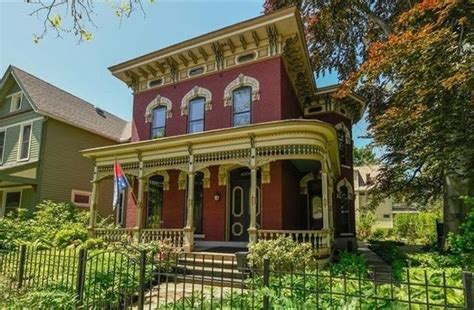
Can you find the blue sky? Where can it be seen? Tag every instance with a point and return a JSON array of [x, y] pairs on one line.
[[82, 68]]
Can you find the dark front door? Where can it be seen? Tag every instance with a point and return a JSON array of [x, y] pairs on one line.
[[240, 204]]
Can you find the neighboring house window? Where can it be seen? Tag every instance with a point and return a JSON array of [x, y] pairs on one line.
[[242, 102], [81, 198], [25, 141], [12, 202], [3, 139], [158, 123], [121, 209], [196, 115], [16, 102]]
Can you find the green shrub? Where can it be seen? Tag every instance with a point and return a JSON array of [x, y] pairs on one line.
[[70, 234], [416, 228], [365, 221], [463, 243], [284, 254], [45, 298], [350, 264]]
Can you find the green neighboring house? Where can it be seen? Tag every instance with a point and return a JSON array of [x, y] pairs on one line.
[[42, 130]]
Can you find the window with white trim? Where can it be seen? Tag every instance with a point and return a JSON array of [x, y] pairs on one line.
[[16, 102], [12, 202], [196, 115], [158, 122], [81, 198], [241, 108], [120, 216], [3, 139], [25, 142]]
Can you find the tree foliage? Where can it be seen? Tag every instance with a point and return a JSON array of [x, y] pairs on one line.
[[76, 17], [364, 156], [412, 61]]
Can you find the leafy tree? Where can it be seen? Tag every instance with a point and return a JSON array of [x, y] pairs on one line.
[[364, 156], [76, 17], [412, 61]]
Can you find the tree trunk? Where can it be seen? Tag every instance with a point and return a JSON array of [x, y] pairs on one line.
[[457, 184]]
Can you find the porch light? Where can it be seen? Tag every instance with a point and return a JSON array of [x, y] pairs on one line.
[[217, 196]]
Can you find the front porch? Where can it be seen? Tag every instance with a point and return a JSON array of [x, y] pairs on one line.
[[226, 187]]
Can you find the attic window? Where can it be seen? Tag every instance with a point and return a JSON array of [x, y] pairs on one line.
[[100, 112], [154, 83], [16, 102], [246, 57], [196, 71], [343, 111]]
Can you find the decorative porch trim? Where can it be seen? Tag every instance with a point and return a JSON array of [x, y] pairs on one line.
[[164, 174], [241, 81], [304, 182], [340, 184], [265, 173], [183, 176], [193, 93], [157, 102]]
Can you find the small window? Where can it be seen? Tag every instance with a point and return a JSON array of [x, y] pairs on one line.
[[2, 144], [12, 202], [196, 71], [246, 57], [242, 101], [16, 102], [25, 141], [343, 111], [386, 216], [154, 83], [196, 115], [158, 124], [81, 198], [341, 139]]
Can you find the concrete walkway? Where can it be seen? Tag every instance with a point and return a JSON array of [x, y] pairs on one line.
[[380, 270]]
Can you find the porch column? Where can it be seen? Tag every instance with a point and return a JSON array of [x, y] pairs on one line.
[[94, 202], [324, 184], [253, 195], [189, 228], [140, 209]]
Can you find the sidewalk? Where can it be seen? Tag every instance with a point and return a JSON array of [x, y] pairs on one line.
[[379, 268]]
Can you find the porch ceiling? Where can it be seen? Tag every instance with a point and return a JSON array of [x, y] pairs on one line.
[[279, 140]]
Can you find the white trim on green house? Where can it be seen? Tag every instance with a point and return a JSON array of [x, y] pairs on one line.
[[75, 192], [3, 133], [5, 192], [21, 141]]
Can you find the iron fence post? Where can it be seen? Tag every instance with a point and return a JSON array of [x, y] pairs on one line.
[[21, 265], [141, 292], [468, 291], [81, 269], [266, 281]]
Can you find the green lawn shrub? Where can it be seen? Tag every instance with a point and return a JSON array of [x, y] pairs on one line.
[[462, 244], [284, 254]]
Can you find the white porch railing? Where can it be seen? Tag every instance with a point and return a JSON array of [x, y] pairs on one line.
[[175, 237], [319, 239], [114, 234]]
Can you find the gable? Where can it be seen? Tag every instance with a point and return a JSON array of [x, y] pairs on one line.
[[9, 93]]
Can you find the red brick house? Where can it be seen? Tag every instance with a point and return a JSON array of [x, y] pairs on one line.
[[232, 141]]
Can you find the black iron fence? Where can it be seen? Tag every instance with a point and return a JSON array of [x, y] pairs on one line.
[[140, 279]]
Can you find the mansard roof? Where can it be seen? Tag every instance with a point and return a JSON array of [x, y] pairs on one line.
[[56, 103]]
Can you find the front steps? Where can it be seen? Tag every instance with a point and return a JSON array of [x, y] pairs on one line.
[[209, 269]]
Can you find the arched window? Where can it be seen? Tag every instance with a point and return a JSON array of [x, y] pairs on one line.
[[158, 122], [196, 115], [345, 195], [241, 108], [154, 217], [345, 216], [344, 142]]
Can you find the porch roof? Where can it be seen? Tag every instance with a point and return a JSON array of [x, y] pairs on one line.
[[277, 140]]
